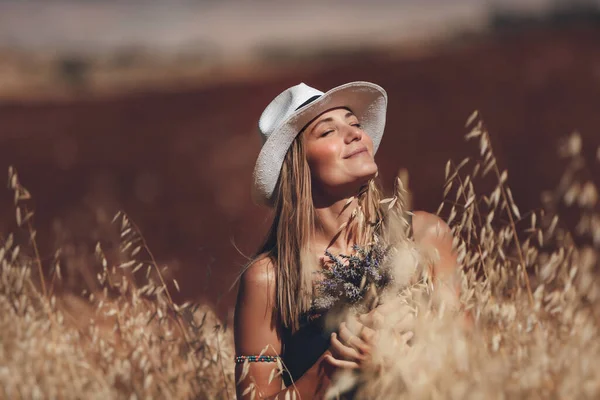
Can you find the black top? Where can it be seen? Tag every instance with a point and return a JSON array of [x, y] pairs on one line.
[[304, 347]]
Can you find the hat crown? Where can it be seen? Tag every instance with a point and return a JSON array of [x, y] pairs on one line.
[[283, 106]]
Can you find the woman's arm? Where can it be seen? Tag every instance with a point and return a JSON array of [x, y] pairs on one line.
[[255, 327], [430, 230]]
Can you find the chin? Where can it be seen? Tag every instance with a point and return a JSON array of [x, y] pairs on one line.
[[369, 170], [367, 174]]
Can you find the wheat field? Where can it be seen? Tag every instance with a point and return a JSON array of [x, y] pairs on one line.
[[528, 283]]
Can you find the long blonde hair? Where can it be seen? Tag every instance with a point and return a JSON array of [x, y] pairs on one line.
[[293, 227]]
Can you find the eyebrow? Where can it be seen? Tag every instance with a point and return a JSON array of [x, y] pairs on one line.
[[329, 119]]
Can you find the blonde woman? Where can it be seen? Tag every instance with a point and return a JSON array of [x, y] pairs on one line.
[[317, 154]]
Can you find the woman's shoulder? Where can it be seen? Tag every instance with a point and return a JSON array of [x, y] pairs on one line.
[[429, 226], [260, 270], [256, 292]]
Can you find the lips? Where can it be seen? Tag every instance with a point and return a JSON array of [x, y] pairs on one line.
[[356, 152]]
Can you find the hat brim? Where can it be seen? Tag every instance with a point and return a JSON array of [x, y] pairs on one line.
[[366, 100]]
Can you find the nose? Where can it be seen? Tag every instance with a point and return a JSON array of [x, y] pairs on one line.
[[353, 133]]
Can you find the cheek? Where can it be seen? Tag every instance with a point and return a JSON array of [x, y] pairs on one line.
[[322, 155], [368, 142]]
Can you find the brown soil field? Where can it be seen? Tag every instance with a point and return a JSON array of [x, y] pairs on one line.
[[180, 163]]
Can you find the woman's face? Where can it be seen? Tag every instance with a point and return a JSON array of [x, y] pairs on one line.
[[339, 153]]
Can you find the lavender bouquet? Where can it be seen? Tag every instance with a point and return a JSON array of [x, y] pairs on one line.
[[349, 279]]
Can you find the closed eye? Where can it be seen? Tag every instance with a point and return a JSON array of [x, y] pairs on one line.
[[326, 133], [356, 125]]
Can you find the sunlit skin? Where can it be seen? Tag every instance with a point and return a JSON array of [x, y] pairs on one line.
[[340, 157], [339, 154]]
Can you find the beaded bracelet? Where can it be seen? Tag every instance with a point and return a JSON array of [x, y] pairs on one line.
[[241, 359]]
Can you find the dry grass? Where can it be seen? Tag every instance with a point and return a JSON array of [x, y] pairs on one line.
[[529, 290], [125, 340], [528, 285]]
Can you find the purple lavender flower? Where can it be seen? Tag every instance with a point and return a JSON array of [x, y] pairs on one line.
[[342, 281]]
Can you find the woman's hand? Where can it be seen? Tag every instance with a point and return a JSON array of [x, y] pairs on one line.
[[352, 345], [357, 337], [394, 314], [354, 348]]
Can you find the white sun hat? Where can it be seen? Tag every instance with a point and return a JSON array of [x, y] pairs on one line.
[[295, 107]]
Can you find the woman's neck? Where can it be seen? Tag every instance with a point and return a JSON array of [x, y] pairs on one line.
[[329, 220]]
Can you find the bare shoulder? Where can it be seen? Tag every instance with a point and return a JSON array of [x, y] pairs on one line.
[[255, 317], [260, 272], [256, 327], [429, 226], [431, 230], [257, 284]]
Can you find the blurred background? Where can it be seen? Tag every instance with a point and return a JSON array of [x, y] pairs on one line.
[[151, 108]]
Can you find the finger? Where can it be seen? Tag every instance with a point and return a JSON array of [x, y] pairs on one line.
[[340, 363], [386, 314], [373, 319], [407, 336], [357, 327], [393, 317], [405, 324], [367, 334], [361, 330], [402, 339], [341, 351], [350, 339], [393, 306]]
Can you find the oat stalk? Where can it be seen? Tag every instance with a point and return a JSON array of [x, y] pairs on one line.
[[506, 203]]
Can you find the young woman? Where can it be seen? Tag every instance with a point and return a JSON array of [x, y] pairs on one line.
[[315, 168]]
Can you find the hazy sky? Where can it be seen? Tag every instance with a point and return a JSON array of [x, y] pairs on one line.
[[234, 27]]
